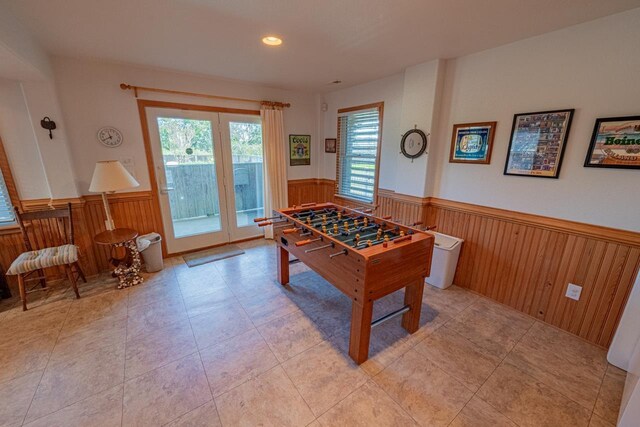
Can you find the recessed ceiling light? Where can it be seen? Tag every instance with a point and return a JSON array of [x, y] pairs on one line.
[[272, 41]]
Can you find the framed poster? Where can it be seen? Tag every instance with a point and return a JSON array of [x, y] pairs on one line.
[[330, 145], [537, 143], [615, 143], [472, 143], [299, 150]]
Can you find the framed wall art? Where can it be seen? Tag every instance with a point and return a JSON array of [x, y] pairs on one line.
[[615, 143], [537, 143], [472, 143], [330, 145], [299, 150]]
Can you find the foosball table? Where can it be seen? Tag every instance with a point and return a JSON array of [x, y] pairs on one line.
[[364, 256]]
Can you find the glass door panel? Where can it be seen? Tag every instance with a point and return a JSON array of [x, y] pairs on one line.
[[246, 163], [189, 163], [187, 153]]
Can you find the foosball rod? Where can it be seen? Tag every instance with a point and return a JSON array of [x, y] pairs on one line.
[[330, 245], [267, 218], [390, 316], [342, 252], [395, 239], [332, 221], [325, 211]]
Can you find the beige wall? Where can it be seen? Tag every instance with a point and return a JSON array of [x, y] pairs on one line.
[[20, 142], [591, 67], [90, 97]]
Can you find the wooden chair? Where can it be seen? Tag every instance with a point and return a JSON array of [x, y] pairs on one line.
[[52, 230]]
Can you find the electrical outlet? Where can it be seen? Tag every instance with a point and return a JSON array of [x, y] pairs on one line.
[[573, 291]]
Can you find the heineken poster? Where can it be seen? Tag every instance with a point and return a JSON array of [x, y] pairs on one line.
[[615, 143], [472, 143], [299, 150], [537, 143]]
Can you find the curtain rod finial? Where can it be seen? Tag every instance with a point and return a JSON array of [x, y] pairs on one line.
[[124, 86]]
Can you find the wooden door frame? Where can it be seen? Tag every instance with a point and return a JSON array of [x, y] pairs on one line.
[[143, 104]]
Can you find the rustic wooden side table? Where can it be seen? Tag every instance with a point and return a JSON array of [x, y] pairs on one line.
[[127, 268]]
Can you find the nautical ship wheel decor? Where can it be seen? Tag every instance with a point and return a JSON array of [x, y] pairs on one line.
[[413, 143]]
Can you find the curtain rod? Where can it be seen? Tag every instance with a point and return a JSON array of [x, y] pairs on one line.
[[135, 89]]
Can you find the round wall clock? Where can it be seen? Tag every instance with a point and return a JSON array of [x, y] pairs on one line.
[[413, 143], [109, 136]]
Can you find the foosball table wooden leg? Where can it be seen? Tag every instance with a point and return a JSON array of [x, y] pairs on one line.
[[413, 298], [283, 265], [361, 315]]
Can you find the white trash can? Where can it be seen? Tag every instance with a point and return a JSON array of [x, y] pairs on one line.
[[446, 251], [151, 250]]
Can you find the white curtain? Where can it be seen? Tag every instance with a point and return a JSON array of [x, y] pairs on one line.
[[275, 161]]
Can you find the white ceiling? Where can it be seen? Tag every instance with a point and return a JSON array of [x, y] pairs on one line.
[[324, 40]]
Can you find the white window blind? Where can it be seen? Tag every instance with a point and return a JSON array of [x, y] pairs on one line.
[[6, 209], [358, 138]]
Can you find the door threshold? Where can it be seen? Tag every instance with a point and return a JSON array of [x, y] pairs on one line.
[[204, 248]]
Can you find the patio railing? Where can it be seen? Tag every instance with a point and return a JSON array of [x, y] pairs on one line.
[[195, 189]]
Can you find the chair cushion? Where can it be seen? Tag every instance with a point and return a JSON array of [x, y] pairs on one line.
[[42, 258]]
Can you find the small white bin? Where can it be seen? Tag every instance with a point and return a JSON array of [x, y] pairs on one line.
[[446, 251], [151, 250]]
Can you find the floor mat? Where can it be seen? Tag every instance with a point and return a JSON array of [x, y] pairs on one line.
[[210, 255]]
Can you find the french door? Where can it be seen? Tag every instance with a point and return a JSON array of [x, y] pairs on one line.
[[209, 174]]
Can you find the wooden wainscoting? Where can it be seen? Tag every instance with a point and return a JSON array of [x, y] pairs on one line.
[[130, 210], [526, 261], [310, 190], [133, 210], [402, 207]]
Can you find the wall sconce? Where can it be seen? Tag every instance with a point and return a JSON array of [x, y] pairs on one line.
[[49, 125]]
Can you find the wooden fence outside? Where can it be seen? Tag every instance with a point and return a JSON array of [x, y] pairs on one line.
[[195, 189]]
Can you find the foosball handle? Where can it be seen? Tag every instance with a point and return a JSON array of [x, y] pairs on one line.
[[303, 242], [402, 239], [265, 223], [306, 205], [259, 219], [386, 217], [417, 223], [431, 227], [289, 230]]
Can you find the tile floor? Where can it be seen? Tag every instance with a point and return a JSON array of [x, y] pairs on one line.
[[223, 344]]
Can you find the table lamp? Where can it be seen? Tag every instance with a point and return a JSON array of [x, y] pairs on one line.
[[110, 176]]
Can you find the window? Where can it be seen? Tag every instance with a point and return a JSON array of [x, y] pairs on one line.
[[8, 195], [359, 135]]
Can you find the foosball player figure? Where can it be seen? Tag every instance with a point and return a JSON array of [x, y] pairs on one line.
[[355, 223], [366, 221], [386, 241], [346, 226], [335, 229], [379, 234], [339, 216], [309, 220], [324, 229], [356, 240], [369, 243], [401, 233]]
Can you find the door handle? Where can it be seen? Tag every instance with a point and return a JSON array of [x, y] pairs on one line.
[[165, 190]]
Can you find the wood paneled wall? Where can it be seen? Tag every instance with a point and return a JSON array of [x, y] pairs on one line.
[[129, 210], [310, 190], [133, 210], [525, 261]]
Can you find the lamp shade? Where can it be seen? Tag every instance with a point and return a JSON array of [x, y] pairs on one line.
[[110, 175]]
